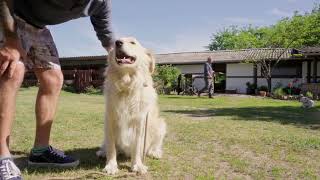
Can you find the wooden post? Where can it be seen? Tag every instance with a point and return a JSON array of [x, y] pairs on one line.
[[308, 71], [255, 75], [315, 69]]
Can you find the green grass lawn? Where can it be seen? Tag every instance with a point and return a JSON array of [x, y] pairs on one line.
[[223, 138]]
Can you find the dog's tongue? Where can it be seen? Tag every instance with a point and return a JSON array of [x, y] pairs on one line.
[[125, 60]]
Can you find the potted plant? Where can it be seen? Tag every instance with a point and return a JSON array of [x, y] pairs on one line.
[[263, 91], [250, 88]]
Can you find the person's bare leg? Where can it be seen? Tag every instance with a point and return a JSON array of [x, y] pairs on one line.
[[8, 92], [49, 90]]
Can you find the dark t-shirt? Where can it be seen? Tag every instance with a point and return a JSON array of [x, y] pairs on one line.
[[50, 12]]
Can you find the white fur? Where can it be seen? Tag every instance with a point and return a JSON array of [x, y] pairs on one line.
[[306, 102], [130, 96]]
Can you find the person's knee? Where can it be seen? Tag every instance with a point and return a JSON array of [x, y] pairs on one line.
[[16, 80], [52, 84]]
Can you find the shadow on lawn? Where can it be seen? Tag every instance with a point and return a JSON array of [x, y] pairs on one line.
[[307, 118], [88, 161]]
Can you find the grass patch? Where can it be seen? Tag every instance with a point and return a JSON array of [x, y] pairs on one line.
[[221, 138]]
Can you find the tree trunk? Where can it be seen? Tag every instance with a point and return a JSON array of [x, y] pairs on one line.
[[269, 84], [269, 76]]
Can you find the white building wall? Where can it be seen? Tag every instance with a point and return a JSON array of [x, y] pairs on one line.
[[262, 82], [285, 81], [238, 75], [240, 69], [244, 74], [238, 84]]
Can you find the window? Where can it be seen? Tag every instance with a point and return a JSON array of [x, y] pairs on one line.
[[292, 69]]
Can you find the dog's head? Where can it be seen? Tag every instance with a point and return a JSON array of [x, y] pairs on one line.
[[304, 99], [130, 55]]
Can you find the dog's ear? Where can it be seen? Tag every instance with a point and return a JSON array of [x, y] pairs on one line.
[[152, 62]]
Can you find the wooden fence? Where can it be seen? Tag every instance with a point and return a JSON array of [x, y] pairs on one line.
[[311, 87], [84, 78], [79, 79]]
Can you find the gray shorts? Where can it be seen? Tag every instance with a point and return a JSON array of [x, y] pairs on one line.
[[39, 46]]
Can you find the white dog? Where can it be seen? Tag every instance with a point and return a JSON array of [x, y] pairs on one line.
[[306, 102], [130, 99]]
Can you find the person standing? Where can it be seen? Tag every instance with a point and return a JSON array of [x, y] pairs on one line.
[[208, 73], [29, 46]]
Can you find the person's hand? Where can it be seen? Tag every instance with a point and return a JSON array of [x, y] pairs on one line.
[[109, 49], [10, 54]]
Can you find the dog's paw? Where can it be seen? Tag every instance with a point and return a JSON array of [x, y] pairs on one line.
[[101, 154], [111, 168], [157, 154], [140, 168]]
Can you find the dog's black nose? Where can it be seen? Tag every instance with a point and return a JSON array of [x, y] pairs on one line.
[[119, 43]]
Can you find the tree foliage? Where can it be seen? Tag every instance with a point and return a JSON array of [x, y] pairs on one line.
[[165, 77], [298, 31]]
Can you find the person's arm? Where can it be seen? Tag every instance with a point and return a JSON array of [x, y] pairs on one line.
[[208, 70], [7, 21], [101, 21], [11, 51]]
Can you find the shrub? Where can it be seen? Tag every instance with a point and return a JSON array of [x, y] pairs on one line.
[[292, 90], [69, 88], [263, 88], [251, 88], [166, 78], [279, 92], [309, 95], [278, 85], [296, 91], [92, 90]]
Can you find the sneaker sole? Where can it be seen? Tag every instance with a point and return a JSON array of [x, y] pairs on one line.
[[54, 165]]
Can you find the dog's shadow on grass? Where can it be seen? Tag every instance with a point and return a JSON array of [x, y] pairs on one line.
[[87, 157], [305, 118]]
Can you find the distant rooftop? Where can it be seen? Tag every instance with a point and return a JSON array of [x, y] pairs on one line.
[[310, 51], [224, 56]]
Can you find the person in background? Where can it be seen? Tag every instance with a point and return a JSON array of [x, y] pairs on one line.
[[208, 74], [29, 46]]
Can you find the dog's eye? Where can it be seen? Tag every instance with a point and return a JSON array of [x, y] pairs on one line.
[[132, 42]]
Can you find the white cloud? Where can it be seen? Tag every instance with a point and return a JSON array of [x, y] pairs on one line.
[[280, 13], [243, 20], [184, 42]]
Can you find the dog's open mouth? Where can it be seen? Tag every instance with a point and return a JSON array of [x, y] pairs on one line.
[[123, 58]]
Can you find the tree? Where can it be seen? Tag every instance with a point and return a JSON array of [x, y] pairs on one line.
[[295, 32], [298, 31], [266, 63]]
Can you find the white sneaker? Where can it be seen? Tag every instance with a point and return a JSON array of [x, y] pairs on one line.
[[8, 170]]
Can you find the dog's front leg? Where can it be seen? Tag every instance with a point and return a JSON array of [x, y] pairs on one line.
[[112, 166], [136, 152]]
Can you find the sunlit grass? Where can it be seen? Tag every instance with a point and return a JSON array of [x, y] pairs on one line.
[[227, 137]]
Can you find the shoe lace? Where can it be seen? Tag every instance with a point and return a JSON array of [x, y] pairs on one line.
[[57, 153], [9, 170]]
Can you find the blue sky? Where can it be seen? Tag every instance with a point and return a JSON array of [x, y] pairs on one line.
[[173, 25]]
